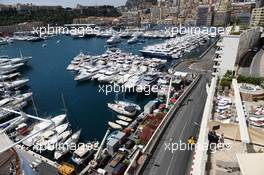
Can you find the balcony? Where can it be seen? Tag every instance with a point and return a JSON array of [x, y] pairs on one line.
[[219, 52], [220, 44], [215, 66]]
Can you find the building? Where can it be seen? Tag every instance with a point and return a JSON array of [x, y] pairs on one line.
[[203, 16], [241, 12], [155, 14], [232, 47], [221, 18], [130, 18], [257, 17]]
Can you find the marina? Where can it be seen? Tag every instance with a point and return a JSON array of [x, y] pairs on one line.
[[71, 87]]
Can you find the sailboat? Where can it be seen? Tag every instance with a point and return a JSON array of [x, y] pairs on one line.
[[42, 125]]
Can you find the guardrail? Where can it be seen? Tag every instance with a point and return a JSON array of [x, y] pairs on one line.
[[152, 143]]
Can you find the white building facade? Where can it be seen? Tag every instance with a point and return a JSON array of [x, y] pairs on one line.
[[231, 48]]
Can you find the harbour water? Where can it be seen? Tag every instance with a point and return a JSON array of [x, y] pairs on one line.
[[49, 79]]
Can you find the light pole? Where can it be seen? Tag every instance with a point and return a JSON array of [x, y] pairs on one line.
[[168, 95]]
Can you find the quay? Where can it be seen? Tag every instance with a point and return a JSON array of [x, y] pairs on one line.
[[30, 154]]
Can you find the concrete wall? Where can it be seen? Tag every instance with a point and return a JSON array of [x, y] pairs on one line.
[[234, 47], [248, 39], [229, 53]]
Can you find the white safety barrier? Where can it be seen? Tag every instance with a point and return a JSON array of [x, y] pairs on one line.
[[198, 166], [240, 114]]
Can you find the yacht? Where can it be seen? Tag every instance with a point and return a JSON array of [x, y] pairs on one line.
[[132, 82], [66, 146], [163, 81], [121, 109], [99, 74], [44, 139], [123, 78], [83, 153], [113, 40], [43, 125], [125, 34], [13, 84], [54, 141], [114, 125], [124, 118], [10, 66], [9, 76], [133, 40], [127, 103], [4, 41], [121, 122], [146, 81], [86, 74], [108, 76], [6, 60]]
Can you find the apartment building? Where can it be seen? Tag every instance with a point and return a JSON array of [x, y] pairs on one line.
[[232, 47], [257, 17]]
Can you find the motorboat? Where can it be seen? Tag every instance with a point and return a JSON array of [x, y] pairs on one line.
[[121, 109], [127, 103], [55, 121], [134, 39], [9, 76], [83, 153], [124, 118], [11, 66], [121, 122], [132, 82], [87, 74], [108, 76], [163, 81], [114, 125], [66, 146], [13, 84], [146, 82], [114, 39], [99, 74]]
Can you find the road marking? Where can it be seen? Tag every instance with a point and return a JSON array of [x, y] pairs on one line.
[[179, 139]]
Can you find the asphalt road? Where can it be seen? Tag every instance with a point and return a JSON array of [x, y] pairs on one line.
[[181, 127]]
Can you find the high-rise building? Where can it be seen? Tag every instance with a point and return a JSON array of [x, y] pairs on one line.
[[155, 14], [221, 18], [231, 49], [203, 16], [240, 12], [257, 17]]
